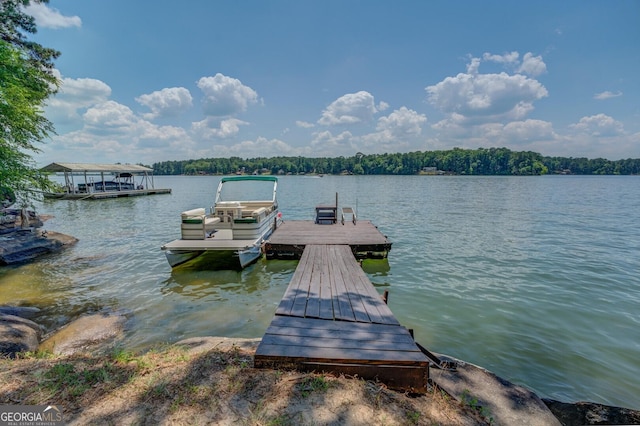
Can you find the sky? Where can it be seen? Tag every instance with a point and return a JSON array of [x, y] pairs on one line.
[[145, 82]]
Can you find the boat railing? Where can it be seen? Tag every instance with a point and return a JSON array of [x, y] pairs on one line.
[[346, 211]]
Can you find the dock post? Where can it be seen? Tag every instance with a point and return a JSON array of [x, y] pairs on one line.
[[385, 297]]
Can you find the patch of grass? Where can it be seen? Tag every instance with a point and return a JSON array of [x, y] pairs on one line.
[[281, 420], [313, 384], [36, 355], [159, 389], [66, 379], [122, 355], [413, 417], [473, 403]]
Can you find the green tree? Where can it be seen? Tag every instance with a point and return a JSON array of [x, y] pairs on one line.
[[26, 81]]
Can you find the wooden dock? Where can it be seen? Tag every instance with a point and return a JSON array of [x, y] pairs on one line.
[[291, 237], [332, 319], [100, 195]]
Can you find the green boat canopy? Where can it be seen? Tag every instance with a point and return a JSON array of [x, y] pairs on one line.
[[250, 177]]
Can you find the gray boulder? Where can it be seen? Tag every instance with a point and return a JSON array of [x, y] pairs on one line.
[[25, 245], [590, 413], [497, 399], [17, 335], [89, 333]]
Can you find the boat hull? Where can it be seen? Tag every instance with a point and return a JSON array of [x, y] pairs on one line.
[[214, 259], [218, 251]]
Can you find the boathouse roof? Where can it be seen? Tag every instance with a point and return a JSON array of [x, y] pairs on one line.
[[94, 168]]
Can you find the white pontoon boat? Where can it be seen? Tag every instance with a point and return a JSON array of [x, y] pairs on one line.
[[230, 236]]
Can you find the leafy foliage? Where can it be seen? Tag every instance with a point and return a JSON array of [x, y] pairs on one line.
[[26, 81]]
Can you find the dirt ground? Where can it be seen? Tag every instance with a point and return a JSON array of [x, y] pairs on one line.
[[205, 383]]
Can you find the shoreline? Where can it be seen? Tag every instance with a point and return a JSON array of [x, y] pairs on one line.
[[483, 397]]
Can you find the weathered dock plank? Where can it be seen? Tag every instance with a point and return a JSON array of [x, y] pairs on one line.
[[291, 237], [330, 284], [371, 351], [331, 318]]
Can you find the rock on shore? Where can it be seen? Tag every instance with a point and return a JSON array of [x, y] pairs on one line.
[[89, 333], [17, 335], [23, 245], [590, 413]]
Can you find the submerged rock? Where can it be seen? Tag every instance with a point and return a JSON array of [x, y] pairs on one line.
[[17, 335], [89, 333], [19, 311], [23, 245]]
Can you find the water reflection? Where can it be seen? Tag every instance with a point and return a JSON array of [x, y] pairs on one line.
[[376, 267], [195, 283]]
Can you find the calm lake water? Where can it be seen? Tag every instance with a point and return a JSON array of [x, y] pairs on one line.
[[534, 278]]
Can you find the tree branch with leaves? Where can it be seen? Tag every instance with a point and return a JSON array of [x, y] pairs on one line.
[[27, 80]]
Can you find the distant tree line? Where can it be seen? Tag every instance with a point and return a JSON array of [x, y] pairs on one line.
[[457, 161]]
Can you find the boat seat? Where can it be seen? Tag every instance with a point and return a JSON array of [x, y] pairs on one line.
[[193, 212], [196, 224], [262, 211]]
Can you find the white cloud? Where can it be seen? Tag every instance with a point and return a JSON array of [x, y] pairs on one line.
[[327, 141], [532, 65], [516, 134], [351, 108], [490, 109], [47, 17], [520, 132], [168, 102], [304, 124], [382, 106], [225, 96], [507, 58], [472, 67], [113, 132], [473, 98], [606, 95], [482, 98], [158, 136], [402, 122], [599, 125], [110, 117], [261, 147], [210, 128], [75, 95]]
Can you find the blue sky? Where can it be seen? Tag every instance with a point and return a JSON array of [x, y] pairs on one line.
[[163, 80]]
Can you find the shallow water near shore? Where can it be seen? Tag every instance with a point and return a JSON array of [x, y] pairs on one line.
[[534, 278]]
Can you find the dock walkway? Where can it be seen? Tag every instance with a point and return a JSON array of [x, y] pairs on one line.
[[291, 237], [332, 319]]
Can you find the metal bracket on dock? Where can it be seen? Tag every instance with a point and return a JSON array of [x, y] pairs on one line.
[[437, 362]]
